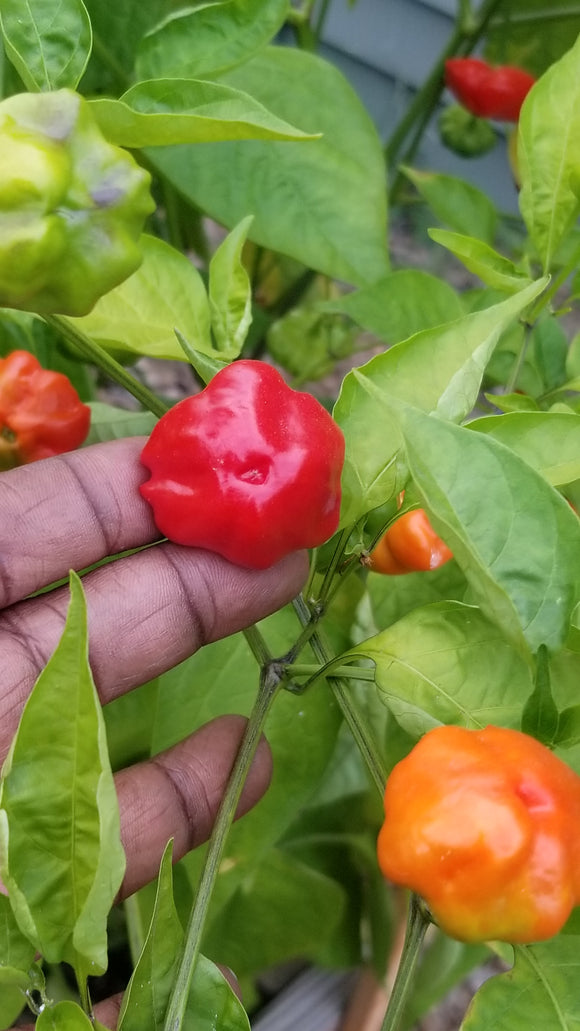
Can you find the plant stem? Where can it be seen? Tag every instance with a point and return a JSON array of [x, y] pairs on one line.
[[356, 722], [525, 17], [518, 363], [417, 924], [462, 40], [83, 988], [96, 354], [258, 646], [557, 283], [269, 687], [322, 13], [135, 929], [353, 672], [329, 575]]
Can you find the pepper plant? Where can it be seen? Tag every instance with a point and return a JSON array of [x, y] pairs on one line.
[[128, 134]]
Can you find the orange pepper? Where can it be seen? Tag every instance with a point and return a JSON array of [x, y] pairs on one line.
[[41, 413], [485, 826], [409, 545]]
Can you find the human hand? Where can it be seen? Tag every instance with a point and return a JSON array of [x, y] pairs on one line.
[[147, 612]]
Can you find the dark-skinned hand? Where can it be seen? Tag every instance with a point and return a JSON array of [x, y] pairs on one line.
[[147, 612]]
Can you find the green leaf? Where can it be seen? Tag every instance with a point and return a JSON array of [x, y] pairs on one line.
[[307, 342], [16, 957], [206, 40], [111, 423], [549, 155], [549, 352], [230, 292], [301, 732], [117, 30], [548, 441], [568, 730], [65, 1016], [12, 1003], [323, 204], [531, 34], [400, 304], [48, 43], [392, 597], [540, 992], [204, 365], [540, 713], [147, 994], [211, 1005], [446, 663], [141, 315], [509, 403], [170, 111], [60, 852], [481, 259], [458, 204], [283, 909], [443, 964], [573, 386], [16, 952], [515, 538], [408, 372]]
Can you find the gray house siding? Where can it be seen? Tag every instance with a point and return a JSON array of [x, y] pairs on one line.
[[385, 48]]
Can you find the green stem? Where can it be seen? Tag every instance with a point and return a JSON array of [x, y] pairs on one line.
[[83, 988], [308, 669], [329, 575], [93, 352], [173, 222], [417, 924], [462, 40], [517, 367], [269, 687], [358, 725], [258, 646], [322, 13], [524, 17], [135, 928], [557, 283]]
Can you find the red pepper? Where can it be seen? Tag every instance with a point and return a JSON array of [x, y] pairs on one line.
[[41, 413], [485, 826], [248, 468], [488, 92], [409, 545]]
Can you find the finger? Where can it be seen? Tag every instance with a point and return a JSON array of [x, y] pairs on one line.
[[107, 1013], [147, 613], [69, 512], [177, 795]]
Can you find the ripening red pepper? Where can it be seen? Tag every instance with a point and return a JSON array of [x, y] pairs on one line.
[[409, 545], [248, 468], [485, 826], [486, 91], [41, 414]]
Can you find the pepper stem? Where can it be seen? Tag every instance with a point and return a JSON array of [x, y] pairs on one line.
[[93, 352], [417, 924], [269, 687], [356, 722]]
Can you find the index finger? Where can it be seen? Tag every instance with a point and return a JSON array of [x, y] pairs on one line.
[[70, 512]]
